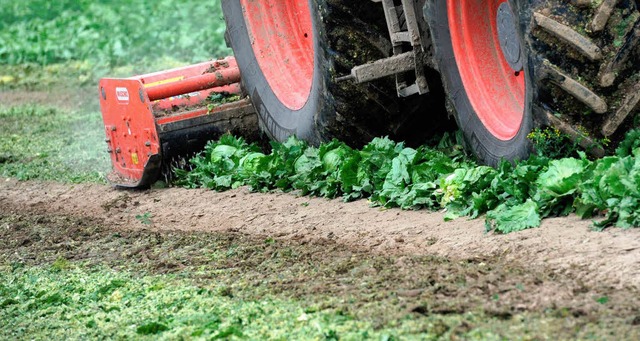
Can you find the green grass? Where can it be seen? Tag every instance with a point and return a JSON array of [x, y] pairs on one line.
[[71, 278], [111, 33], [77, 42], [47, 143]]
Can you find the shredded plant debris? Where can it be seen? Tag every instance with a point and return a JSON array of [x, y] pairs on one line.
[[512, 197]]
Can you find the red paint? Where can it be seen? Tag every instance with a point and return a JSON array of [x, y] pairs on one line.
[[194, 98], [224, 76], [495, 91], [129, 113], [281, 34], [186, 71]]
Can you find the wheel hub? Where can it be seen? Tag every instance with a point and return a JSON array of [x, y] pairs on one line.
[[508, 35]]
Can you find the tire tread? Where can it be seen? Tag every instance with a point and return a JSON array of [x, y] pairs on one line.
[[603, 76]]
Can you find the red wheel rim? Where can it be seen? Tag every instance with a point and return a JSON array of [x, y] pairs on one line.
[[281, 35], [495, 90]]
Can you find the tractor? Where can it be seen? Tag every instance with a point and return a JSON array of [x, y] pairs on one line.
[[408, 69]]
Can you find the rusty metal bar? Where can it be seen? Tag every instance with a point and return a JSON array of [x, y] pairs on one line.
[[214, 79], [381, 68]]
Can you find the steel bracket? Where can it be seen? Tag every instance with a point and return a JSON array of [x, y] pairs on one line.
[[402, 61]]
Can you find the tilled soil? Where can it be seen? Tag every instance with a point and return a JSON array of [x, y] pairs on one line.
[[565, 246], [562, 279]]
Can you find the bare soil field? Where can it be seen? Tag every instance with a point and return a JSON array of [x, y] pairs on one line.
[[388, 262], [564, 245]]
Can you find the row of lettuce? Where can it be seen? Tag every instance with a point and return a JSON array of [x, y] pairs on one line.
[[511, 197]]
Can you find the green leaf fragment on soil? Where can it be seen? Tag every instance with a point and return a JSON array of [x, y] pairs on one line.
[[513, 196]]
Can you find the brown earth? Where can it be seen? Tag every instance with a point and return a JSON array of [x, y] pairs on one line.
[[560, 281], [81, 98], [565, 246]]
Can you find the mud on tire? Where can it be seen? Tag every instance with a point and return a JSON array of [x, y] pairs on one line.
[[586, 66], [346, 34], [582, 66]]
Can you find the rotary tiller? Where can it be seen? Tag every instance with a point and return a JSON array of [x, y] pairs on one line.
[[155, 119]]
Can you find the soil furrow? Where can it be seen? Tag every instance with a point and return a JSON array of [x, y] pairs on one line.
[[562, 244]]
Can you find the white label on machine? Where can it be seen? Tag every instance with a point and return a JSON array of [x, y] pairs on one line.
[[122, 94]]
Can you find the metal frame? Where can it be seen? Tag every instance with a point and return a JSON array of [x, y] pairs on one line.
[[139, 112], [402, 61]]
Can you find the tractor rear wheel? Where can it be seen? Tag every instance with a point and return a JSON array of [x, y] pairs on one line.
[[586, 67], [509, 66], [291, 52], [486, 74]]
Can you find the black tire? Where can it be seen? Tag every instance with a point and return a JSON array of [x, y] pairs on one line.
[[487, 148], [346, 34], [582, 73], [586, 66]]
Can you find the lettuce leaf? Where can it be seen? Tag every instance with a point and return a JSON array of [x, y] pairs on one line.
[[513, 196], [506, 219]]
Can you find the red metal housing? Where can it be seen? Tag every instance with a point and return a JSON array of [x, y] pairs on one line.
[[138, 111]]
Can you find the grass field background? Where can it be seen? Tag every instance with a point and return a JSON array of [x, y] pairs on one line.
[[72, 278], [52, 54]]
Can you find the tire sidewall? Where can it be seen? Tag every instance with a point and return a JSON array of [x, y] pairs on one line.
[[489, 149], [277, 120]]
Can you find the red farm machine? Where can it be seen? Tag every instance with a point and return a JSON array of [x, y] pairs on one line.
[[357, 69]]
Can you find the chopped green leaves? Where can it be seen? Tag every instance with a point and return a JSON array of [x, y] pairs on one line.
[[512, 196]]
